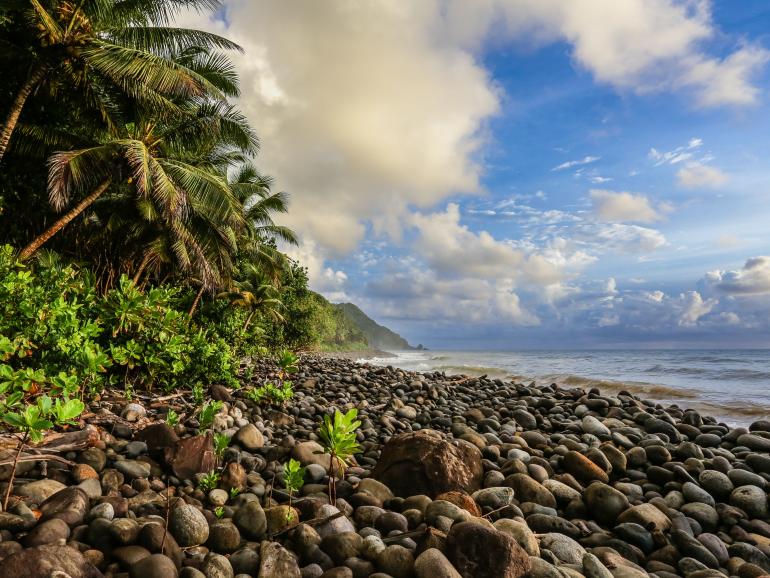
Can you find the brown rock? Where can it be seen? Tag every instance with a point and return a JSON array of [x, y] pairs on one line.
[[277, 562], [461, 500], [234, 477], [82, 472], [193, 455], [158, 437], [279, 417], [43, 561], [424, 462], [220, 393], [70, 505], [583, 469], [476, 550]]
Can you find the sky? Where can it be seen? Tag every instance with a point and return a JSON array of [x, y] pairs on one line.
[[514, 174]]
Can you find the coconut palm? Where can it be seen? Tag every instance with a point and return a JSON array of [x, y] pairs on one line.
[[255, 293], [109, 51], [167, 178], [257, 237]]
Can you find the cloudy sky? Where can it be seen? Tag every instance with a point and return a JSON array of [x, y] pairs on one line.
[[522, 173]]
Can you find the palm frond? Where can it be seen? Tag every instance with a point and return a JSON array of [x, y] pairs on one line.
[[74, 171]]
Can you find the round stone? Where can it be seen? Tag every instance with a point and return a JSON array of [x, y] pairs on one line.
[[188, 525]]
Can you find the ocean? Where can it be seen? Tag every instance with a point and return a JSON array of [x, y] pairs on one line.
[[731, 385]]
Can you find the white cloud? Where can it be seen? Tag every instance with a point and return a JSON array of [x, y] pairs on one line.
[[622, 206], [697, 175], [345, 99], [419, 295], [609, 320], [694, 307], [322, 278], [451, 248], [640, 45], [752, 279], [621, 238], [677, 155], [569, 164]]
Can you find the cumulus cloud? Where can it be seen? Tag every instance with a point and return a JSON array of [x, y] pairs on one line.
[[752, 279], [694, 307], [697, 175], [641, 45], [451, 248], [344, 96], [623, 206], [420, 295], [321, 277]]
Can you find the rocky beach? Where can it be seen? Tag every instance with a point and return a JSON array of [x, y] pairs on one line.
[[458, 477]]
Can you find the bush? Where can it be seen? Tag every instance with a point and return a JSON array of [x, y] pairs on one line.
[[157, 345], [48, 331], [58, 336]]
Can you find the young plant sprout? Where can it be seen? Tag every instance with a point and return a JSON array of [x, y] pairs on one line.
[[293, 478], [338, 439]]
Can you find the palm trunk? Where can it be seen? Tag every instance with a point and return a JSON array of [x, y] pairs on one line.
[[142, 266], [30, 249], [248, 320], [18, 104], [196, 301]]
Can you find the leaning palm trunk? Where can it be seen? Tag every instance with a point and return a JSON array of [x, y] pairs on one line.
[[38, 242], [197, 300], [18, 104], [248, 320], [141, 268]]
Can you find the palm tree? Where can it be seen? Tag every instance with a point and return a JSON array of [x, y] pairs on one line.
[[167, 177], [257, 237], [109, 51], [254, 293]]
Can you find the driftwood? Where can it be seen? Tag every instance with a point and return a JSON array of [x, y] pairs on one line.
[[37, 458], [57, 441]]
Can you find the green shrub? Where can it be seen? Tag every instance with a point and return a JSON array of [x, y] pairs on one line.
[[157, 345], [48, 330]]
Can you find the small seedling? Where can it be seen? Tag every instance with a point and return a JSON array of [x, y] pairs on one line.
[[338, 439], [219, 511], [271, 393], [207, 414], [293, 478], [209, 481], [221, 443], [234, 493], [172, 418], [287, 362], [33, 421], [197, 394]]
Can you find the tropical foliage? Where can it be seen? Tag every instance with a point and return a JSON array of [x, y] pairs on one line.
[[138, 242]]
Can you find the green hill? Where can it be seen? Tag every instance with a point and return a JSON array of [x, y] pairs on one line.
[[378, 336]]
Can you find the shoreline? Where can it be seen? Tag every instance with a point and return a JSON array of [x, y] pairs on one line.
[[353, 355], [697, 393], [458, 476]]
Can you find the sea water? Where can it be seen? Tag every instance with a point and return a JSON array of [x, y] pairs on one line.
[[731, 385]]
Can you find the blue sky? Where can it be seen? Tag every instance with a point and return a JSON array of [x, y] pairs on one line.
[[503, 174]]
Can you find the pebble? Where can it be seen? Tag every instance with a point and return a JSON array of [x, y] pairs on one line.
[[188, 525]]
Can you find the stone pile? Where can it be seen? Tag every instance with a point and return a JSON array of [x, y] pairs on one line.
[[458, 477]]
